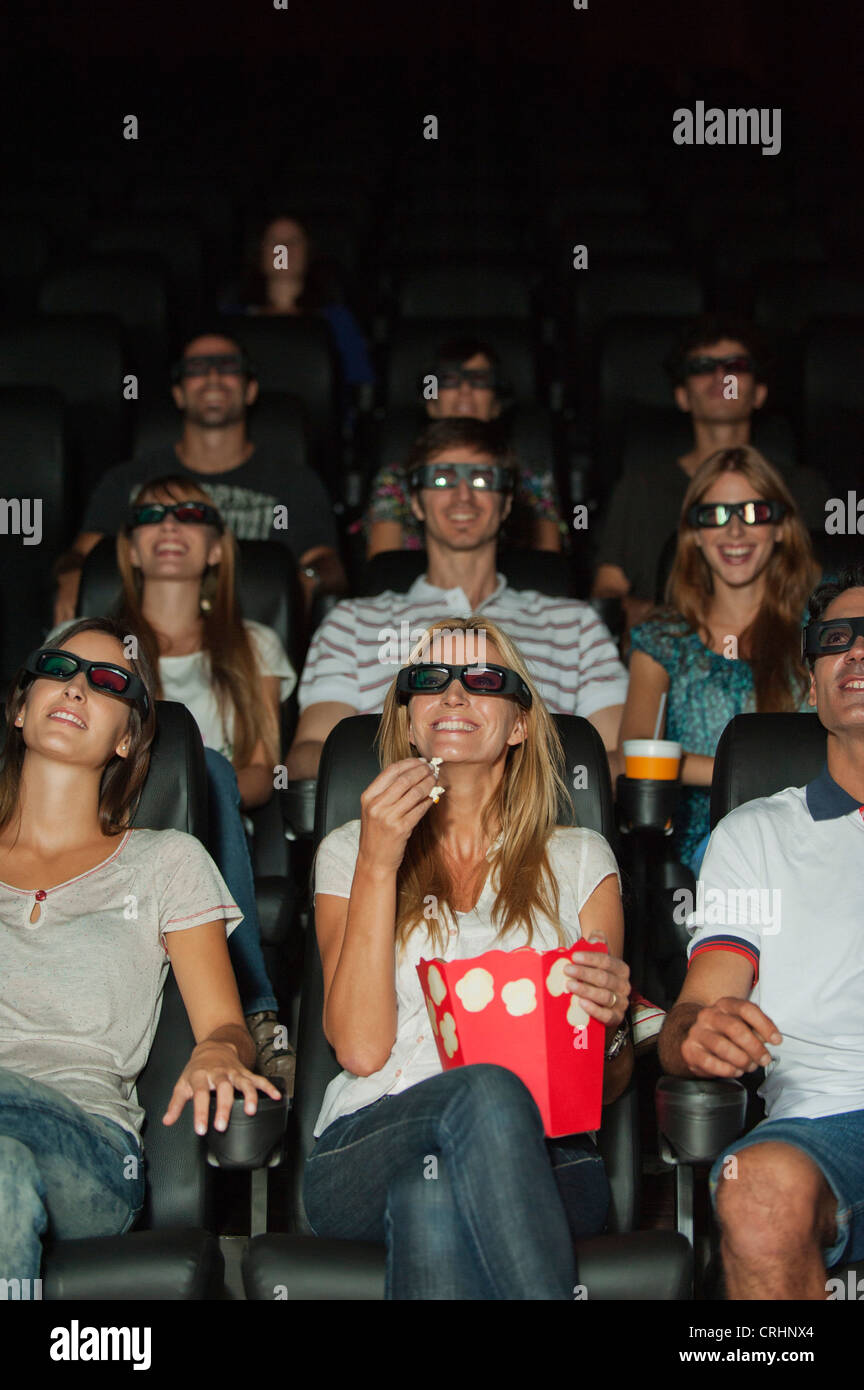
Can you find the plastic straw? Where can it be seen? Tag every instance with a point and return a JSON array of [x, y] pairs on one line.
[[657, 726]]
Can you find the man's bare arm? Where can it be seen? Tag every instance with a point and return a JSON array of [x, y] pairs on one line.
[[713, 1029], [313, 727]]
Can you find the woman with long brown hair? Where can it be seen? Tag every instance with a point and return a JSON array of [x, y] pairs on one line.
[[178, 561], [478, 865], [179, 593], [91, 913], [729, 639]]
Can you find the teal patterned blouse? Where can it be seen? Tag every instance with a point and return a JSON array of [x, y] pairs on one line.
[[706, 690]]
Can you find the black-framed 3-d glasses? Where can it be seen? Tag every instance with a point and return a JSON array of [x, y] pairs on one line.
[[831, 636], [759, 512], [427, 679], [187, 513], [53, 663], [702, 364], [479, 477]]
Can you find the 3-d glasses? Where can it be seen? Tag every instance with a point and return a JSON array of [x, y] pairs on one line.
[[224, 363], [829, 636], [480, 477], [427, 679], [56, 664], [702, 364], [187, 513], [759, 512]]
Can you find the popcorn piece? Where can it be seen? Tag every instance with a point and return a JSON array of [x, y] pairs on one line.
[[435, 984], [520, 997], [476, 989], [435, 763], [576, 1015], [437, 792], [556, 980], [448, 1034]]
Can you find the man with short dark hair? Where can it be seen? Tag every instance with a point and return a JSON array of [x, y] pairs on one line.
[[260, 494], [719, 372], [462, 480], [776, 979]]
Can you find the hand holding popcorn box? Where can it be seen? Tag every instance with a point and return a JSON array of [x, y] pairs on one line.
[[513, 1008]]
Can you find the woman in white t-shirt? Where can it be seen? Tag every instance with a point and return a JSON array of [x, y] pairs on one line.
[[91, 913], [178, 563], [451, 1168]]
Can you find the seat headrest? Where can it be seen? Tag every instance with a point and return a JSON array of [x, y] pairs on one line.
[[760, 754], [175, 792], [349, 763]]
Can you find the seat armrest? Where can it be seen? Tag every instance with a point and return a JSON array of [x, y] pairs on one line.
[[298, 805], [699, 1117], [250, 1141], [276, 899]]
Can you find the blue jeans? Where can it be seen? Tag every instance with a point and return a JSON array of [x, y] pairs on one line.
[[231, 853], [63, 1172], [835, 1143], [456, 1177]]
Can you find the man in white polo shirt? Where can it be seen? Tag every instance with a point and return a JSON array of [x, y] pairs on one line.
[[776, 979], [462, 483]]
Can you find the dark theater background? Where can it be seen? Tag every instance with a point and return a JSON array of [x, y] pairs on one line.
[[448, 160]]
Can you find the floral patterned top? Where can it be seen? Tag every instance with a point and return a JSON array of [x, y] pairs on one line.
[[535, 499], [706, 690]]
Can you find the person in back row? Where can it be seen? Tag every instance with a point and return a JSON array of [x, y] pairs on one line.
[[286, 276], [214, 386], [461, 483], [783, 988], [718, 371], [729, 640], [469, 383]]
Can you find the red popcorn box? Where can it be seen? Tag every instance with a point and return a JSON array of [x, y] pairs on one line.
[[512, 1008]]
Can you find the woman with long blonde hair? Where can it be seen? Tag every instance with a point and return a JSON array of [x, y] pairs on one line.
[[729, 639], [480, 863]]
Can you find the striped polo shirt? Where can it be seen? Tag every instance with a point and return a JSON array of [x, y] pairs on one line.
[[362, 642], [782, 885]]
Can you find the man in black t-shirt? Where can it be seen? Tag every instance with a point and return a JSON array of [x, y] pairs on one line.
[[260, 496]]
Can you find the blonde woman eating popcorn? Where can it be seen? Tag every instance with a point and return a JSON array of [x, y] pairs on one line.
[[462, 821]]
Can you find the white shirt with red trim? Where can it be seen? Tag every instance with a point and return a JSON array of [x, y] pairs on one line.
[[782, 885]]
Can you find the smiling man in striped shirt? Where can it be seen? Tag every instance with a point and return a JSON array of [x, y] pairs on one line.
[[462, 480]]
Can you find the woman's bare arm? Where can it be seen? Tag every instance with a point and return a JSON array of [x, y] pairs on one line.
[[603, 916], [648, 682], [356, 937], [255, 780], [224, 1052], [383, 535]]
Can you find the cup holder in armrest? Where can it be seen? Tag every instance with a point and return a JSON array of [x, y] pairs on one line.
[[645, 804], [698, 1116], [250, 1140], [298, 806]]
